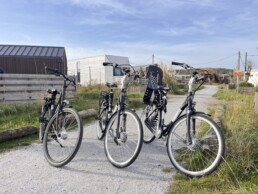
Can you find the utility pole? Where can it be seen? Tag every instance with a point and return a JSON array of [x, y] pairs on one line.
[[245, 60], [238, 68], [152, 59], [238, 61], [245, 66], [90, 74]]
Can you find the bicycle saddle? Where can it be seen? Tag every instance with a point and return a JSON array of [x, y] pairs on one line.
[[52, 91], [114, 85], [163, 88]]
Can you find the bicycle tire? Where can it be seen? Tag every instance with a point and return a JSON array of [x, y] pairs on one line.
[[148, 136], [208, 143], [57, 142], [130, 140], [101, 124]]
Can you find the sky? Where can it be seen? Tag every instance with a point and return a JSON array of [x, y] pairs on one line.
[[201, 33]]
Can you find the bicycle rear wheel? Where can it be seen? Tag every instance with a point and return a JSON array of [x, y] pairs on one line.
[[206, 151], [62, 137], [123, 148]]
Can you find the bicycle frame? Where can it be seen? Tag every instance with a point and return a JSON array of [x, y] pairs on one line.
[[188, 105], [57, 108], [109, 102], [121, 100]]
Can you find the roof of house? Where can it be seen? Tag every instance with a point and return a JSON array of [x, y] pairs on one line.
[[31, 51]]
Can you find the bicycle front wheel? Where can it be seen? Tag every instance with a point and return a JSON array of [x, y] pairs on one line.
[[122, 145], [62, 137], [205, 152]]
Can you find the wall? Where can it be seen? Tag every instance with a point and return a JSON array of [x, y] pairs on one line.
[[254, 77], [92, 70], [26, 87]]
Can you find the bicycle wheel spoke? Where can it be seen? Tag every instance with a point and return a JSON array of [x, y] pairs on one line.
[[179, 138]]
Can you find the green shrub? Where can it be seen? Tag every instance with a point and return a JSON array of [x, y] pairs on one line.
[[246, 84]]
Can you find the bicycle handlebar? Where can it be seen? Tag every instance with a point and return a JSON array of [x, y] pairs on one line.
[[120, 65], [55, 71], [184, 65], [194, 73], [58, 73]]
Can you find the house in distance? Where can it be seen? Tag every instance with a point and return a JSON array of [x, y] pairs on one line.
[[90, 70]]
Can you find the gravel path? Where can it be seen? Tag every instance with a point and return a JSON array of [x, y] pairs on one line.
[[25, 170]]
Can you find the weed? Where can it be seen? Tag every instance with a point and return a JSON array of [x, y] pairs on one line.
[[166, 169]]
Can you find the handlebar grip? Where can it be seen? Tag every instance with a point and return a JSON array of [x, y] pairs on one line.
[[55, 71], [110, 64], [107, 64], [177, 63]]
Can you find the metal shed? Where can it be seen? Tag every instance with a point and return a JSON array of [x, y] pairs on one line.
[[22, 59]]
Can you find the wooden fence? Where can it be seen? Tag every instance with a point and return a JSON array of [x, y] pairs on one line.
[[27, 87]]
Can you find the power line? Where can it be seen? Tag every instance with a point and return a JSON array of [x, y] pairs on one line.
[[218, 60]]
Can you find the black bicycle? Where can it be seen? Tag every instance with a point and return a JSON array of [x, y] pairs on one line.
[[122, 126], [105, 109], [195, 143], [61, 128], [47, 111]]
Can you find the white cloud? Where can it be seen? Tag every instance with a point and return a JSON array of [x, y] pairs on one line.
[[109, 5], [96, 21], [184, 31]]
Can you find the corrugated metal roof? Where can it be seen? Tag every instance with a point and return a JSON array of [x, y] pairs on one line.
[[31, 51]]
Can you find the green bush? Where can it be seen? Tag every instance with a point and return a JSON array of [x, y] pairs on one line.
[[246, 84]]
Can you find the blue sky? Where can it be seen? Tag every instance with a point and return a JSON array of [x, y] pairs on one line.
[[204, 33]]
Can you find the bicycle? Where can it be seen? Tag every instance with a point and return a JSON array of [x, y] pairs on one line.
[[62, 126], [122, 126], [47, 111], [105, 109], [195, 143]]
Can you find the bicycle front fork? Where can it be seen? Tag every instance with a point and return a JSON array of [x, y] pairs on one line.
[[191, 124]]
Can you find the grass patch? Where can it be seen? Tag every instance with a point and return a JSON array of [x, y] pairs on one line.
[[166, 169], [19, 115], [239, 172], [23, 141], [27, 114]]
